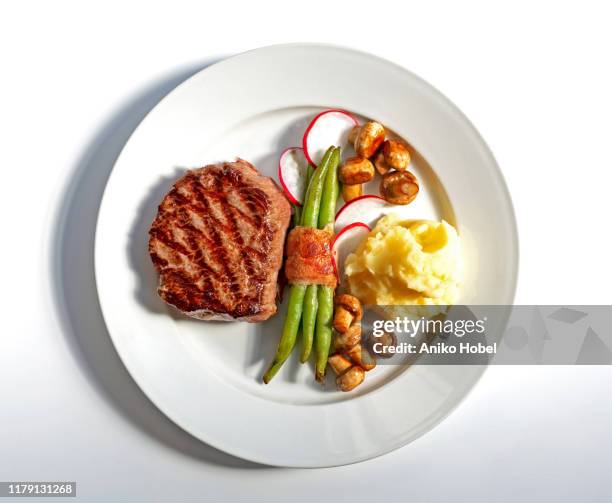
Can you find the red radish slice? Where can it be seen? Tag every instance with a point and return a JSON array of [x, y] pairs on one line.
[[366, 209], [331, 127], [346, 241], [292, 173]]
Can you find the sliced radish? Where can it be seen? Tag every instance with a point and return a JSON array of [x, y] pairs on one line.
[[331, 127], [292, 173], [366, 209], [346, 241]]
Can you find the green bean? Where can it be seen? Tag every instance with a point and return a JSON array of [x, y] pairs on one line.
[[312, 200], [323, 334], [331, 188], [310, 217], [297, 210], [309, 315], [325, 294], [290, 330]]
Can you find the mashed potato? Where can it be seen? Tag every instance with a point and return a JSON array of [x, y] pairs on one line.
[[406, 262]]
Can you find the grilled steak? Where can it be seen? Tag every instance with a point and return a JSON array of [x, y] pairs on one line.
[[217, 242]]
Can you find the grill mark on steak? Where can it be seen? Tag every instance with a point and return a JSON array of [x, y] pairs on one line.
[[167, 239], [216, 242]]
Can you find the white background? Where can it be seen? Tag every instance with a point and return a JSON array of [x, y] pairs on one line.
[[76, 77]]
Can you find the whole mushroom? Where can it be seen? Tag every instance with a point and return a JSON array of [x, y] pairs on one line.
[[356, 170], [347, 310], [351, 378], [339, 363], [345, 341], [361, 357], [369, 138], [399, 187], [396, 155]]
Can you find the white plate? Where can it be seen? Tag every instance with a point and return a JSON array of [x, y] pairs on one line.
[[207, 376]]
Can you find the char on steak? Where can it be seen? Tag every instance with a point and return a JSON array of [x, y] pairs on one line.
[[217, 243]]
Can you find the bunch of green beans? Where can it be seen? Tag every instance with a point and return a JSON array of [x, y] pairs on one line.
[[310, 217], [314, 311]]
